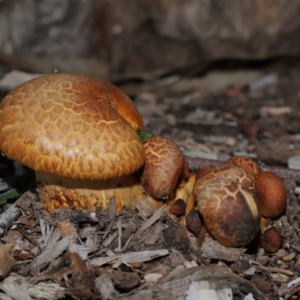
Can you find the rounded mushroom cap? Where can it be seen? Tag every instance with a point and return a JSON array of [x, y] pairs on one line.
[[271, 240], [72, 125], [163, 166], [225, 171], [271, 194], [230, 211]]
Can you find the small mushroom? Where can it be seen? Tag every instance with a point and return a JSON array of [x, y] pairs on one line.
[[194, 222], [79, 134], [163, 166], [271, 240], [271, 194], [177, 207]]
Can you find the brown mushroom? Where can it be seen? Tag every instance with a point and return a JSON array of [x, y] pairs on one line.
[[225, 171], [230, 212], [163, 166], [194, 222], [227, 201], [177, 207], [271, 240], [271, 194], [78, 133]]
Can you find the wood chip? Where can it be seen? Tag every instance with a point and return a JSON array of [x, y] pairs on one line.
[[50, 254], [205, 278], [106, 287], [19, 287], [289, 257], [154, 218], [131, 257], [7, 262], [214, 250], [7, 219], [280, 278], [145, 207], [5, 297], [152, 277]]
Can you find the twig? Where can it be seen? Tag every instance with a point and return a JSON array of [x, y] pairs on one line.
[[26, 236], [8, 218]]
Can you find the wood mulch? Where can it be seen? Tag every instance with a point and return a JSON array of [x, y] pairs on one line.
[[141, 253]]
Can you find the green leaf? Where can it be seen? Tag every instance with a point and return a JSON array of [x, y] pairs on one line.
[[144, 135], [12, 193]]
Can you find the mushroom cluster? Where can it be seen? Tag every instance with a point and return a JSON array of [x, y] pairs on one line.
[[233, 198], [82, 136], [79, 134]]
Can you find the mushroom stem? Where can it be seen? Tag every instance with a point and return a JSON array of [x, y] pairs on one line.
[[57, 191]]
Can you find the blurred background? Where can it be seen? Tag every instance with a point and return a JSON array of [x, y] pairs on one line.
[[142, 39], [218, 77]]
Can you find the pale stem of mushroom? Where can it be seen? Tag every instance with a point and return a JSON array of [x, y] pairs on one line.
[[56, 191]]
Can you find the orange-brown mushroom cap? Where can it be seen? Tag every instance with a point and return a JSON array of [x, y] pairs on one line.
[[163, 166], [72, 125], [271, 193]]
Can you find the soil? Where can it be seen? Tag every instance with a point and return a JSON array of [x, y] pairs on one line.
[[252, 111]]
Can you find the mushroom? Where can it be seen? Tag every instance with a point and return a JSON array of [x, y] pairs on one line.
[[230, 212], [79, 135], [163, 166], [165, 175], [271, 193], [271, 240], [227, 201], [194, 222]]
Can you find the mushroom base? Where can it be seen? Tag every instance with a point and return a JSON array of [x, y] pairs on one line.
[[56, 192]]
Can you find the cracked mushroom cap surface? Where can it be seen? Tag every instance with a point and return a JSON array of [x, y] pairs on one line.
[[72, 125], [226, 171], [163, 166]]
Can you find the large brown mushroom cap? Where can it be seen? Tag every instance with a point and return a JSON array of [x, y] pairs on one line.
[[71, 125], [230, 211]]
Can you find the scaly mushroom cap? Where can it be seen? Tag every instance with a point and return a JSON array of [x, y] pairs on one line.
[[163, 166], [225, 171], [227, 201], [230, 211], [72, 125]]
